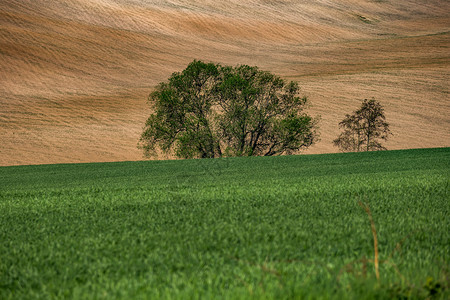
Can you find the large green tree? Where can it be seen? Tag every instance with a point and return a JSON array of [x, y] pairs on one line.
[[209, 110], [364, 129]]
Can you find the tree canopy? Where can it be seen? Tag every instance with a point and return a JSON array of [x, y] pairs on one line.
[[209, 110], [364, 129]]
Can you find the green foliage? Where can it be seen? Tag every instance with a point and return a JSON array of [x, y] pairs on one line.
[[209, 110], [183, 117], [364, 128], [283, 227]]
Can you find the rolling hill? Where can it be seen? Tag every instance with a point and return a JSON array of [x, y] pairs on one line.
[[75, 74]]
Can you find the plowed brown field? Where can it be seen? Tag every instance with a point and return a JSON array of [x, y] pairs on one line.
[[75, 74]]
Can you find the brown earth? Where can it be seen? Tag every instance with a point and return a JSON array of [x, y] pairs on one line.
[[75, 74]]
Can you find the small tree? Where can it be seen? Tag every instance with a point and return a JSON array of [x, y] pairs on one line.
[[209, 110], [364, 128]]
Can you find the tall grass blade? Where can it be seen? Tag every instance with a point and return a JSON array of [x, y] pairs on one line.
[[375, 240]]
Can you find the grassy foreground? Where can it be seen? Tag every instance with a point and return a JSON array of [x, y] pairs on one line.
[[263, 228]]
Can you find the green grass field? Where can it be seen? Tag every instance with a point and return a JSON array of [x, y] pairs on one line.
[[285, 227]]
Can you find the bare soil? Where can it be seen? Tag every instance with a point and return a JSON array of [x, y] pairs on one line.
[[75, 74]]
